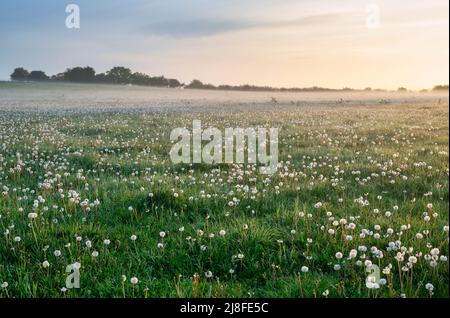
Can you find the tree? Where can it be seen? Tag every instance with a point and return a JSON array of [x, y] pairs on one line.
[[80, 74], [101, 78], [440, 88], [37, 76], [58, 77], [402, 89], [196, 84], [174, 83], [119, 75], [19, 74], [140, 79]]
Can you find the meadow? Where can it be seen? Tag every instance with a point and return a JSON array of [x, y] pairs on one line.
[[86, 178]]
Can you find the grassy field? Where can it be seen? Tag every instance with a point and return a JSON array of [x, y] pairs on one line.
[[356, 185]]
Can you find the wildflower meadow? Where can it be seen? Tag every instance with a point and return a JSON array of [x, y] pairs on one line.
[[92, 206]]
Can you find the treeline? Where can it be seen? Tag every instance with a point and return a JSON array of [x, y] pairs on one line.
[[123, 75], [116, 75], [199, 85], [440, 88]]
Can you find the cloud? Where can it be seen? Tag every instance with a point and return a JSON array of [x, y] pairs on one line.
[[207, 27], [194, 28]]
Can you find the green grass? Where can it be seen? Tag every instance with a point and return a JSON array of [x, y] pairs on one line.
[[395, 157]]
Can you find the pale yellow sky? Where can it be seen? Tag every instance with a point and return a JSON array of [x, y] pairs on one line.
[[409, 48], [286, 43]]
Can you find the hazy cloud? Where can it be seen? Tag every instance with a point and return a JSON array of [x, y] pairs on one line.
[[208, 27]]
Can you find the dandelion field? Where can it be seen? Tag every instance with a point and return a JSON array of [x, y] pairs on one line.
[[359, 183]]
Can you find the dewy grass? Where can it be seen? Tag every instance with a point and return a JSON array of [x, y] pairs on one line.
[[356, 186]]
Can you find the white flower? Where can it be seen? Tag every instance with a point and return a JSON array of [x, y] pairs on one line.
[[134, 280], [32, 215], [162, 234], [429, 287], [435, 251], [339, 255], [412, 259], [57, 253], [337, 267], [133, 237], [45, 264], [94, 253], [222, 233], [17, 239], [106, 242], [304, 269], [5, 285]]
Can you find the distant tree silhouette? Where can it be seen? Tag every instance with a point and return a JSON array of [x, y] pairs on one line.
[[174, 83], [101, 78], [196, 84], [19, 74], [140, 79], [80, 74], [440, 88], [58, 77], [38, 76], [119, 75], [124, 75]]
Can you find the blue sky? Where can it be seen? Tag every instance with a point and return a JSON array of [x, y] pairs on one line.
[[263, 42]]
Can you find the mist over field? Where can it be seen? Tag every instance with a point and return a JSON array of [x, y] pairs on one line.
[[60, 96]]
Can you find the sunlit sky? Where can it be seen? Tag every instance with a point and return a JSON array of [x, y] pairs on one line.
[[286, 43]]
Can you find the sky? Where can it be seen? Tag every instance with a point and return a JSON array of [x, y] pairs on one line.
[[289, 43]]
